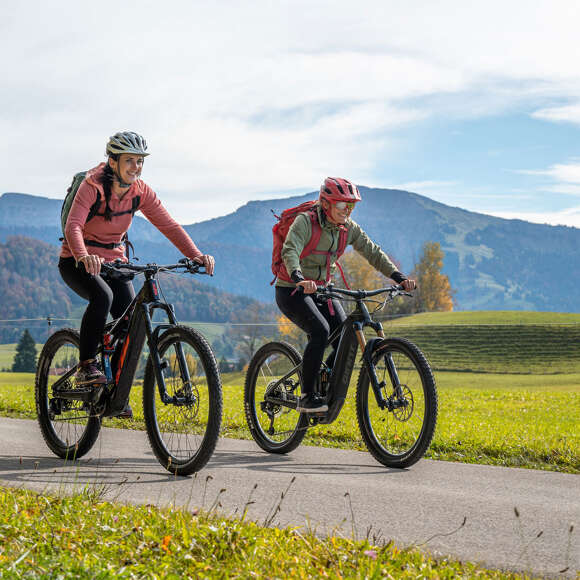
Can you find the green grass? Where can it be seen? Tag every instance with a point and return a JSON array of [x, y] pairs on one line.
[[84, 537], [488, 317], [496, 342], [509, 420]]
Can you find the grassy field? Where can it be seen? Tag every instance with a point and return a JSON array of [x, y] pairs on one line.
[[515, 420], [488, 317], [496, 342], [83, 537]]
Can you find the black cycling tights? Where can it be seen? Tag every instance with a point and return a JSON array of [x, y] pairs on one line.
[[104, 296], [316, 320]]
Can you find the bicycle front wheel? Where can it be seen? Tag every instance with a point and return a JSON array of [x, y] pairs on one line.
[[183, 430], [65, 424], [399, 435], [275, 427]]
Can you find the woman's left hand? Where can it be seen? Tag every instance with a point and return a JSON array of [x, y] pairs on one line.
[[208, 263], [409, 285]]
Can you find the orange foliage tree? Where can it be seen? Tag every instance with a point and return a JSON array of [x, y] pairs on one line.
[[289, 332], [434, 291]]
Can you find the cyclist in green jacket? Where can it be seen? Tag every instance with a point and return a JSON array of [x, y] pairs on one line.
[[336, 203]]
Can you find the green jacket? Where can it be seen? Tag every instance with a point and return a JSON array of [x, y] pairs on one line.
[[313, 266]]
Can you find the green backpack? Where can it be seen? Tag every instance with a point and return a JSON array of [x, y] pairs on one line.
[[70, 197]]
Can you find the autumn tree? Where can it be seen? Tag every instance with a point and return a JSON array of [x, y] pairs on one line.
[[360, 274], [25, 357], [434, 291], [291, 333]]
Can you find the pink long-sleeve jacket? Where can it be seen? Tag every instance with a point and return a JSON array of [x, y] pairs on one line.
[[105, 232]]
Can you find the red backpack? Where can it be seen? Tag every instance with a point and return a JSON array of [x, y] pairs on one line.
[[280, 231]]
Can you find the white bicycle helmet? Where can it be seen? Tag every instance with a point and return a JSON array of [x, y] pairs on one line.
[[126, 142]]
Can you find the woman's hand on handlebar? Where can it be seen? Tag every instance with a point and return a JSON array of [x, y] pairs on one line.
[[409, 285], [92, 263], [308, 286], [208, 263]]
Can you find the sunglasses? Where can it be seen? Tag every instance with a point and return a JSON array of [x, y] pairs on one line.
[[341, 205]]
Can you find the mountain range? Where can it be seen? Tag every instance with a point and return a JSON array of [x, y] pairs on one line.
[[493, 263]]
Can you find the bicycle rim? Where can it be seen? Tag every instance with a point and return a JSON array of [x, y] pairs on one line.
[[183, 432], [275, 427], [66, 425], [398, 437]]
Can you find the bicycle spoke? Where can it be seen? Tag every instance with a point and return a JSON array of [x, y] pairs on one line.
[[183, 432], [272, 375], [66, 424], [399, 434]]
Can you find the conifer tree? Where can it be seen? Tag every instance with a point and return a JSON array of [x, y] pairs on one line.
[[25, 357]]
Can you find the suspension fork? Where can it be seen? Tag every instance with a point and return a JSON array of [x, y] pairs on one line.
[[368, 349], [158, 366]]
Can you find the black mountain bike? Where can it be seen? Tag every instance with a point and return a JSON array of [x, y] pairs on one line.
[[182, 393], [396, 398]]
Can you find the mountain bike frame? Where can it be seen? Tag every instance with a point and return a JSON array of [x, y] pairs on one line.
[[351, 333], [123, 340]]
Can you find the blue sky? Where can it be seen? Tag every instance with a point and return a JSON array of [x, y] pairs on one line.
[[475, 104]]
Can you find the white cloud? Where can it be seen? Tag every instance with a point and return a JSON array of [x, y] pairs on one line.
[[566, 177], [237, 98], [569, 114], [569, 217]]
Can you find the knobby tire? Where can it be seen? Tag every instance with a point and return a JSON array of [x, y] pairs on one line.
[[66, 436], [398, 438], [184, 437], [270, 362]]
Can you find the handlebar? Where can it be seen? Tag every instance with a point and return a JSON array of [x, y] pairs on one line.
[[185, 263], [339, 293]]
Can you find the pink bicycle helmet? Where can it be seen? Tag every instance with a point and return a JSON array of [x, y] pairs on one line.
[[337, 189]]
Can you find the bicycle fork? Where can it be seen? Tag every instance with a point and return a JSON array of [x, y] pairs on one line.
[[159, 366], [378, 386]]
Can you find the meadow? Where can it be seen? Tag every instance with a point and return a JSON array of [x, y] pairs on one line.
[[495, 342], [508, 384], [520, 410], [518, 421], [84, 537]]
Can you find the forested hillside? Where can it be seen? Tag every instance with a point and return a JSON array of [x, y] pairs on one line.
[[31, 287], [493, 263]]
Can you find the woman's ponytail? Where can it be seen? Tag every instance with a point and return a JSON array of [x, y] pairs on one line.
[[108, 179]]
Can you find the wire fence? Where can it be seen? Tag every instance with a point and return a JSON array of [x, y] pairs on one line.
[[511, 347]]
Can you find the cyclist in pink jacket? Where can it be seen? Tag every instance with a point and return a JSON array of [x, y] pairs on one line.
[[87, 244]]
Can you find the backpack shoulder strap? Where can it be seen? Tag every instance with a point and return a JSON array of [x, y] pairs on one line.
[[95, 207], [342, 241], [315, 236]]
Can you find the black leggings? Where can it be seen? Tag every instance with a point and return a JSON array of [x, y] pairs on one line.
[[316, 320], [104, 296]]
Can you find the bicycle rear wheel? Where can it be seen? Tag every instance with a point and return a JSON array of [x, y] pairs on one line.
[[184, 431], [398, 437], [65, 424], [274, 427]]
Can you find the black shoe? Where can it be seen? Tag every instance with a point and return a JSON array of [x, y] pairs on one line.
[[312, 403], [126, 413], [88, 373]]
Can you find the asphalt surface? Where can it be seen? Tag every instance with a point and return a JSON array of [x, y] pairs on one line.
[[465, 511]]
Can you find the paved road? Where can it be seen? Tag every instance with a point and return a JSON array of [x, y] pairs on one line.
[[333, 491]]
